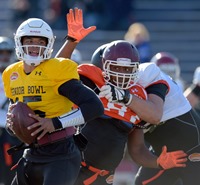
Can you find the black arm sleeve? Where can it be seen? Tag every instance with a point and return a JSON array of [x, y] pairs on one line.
[[158, 89], [89, 83], [90, 105]]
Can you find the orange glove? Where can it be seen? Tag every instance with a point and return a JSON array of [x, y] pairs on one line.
[[76, 31], [173, 159]]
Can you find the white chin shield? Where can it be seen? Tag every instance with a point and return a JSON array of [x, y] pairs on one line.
[[32, 61]]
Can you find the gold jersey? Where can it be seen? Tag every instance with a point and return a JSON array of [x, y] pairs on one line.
[[39, 89]]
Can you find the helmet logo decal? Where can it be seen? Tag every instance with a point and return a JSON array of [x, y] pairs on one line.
[[35, 31], [123, 60]]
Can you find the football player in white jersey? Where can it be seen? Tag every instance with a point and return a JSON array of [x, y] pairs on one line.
[[159, 108], [167, 115], [168, 118]]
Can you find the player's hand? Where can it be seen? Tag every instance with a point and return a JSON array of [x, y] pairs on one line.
[[76, 30], [168, 160], [113, 94], [45, 125]]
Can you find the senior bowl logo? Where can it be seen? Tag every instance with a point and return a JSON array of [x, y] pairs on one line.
[[195, 157], [14, 76]]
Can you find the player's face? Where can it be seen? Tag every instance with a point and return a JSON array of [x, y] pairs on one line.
[[34, 46], [124, 74]]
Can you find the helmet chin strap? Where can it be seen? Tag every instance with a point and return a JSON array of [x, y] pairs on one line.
[[32, 61]]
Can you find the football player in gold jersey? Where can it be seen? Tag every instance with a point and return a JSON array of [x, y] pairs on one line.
[[50, 87]]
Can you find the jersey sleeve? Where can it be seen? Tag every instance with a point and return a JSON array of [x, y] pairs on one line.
[[149, 72], [9, 75], [6, 82]]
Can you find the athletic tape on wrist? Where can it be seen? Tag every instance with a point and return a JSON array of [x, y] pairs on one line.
[[72, 118]]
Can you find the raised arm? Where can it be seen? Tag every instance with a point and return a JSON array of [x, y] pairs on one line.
[[76, 32]]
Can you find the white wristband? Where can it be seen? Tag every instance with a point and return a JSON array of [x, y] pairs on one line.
[[72, 118]]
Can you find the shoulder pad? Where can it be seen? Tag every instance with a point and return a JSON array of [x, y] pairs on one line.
[[148, 73]]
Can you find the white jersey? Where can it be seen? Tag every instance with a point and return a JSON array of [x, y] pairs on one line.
[[3, 99], [175, 102], [180, 83]]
